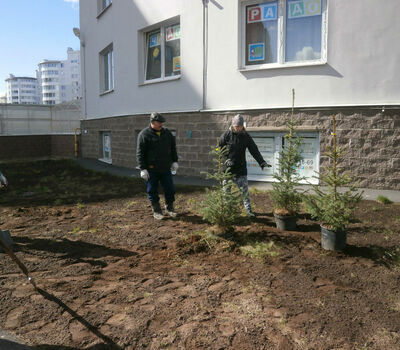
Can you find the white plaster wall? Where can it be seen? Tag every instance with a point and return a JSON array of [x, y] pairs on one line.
[[363, 52], [361, 69], [121, 24]]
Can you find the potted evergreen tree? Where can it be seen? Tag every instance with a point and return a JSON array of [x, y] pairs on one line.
[[333, 208], [223, 203], [285, 197]]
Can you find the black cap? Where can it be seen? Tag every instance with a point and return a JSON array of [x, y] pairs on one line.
[[156, 117]]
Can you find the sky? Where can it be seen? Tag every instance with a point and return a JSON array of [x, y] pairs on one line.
[[34, 30]]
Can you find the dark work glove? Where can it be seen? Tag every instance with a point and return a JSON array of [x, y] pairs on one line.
[[265, 164], [228, 163]]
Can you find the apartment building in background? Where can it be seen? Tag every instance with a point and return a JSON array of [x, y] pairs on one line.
[[22, 90], [60, 80], [200, 62]]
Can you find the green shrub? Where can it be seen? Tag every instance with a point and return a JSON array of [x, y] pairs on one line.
[[383, 200]]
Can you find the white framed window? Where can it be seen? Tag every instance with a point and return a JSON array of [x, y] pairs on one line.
[[102, 5], [106, 69], [162, 56], [283, 33]]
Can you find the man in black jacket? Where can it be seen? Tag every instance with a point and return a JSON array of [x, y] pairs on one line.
[[156, 157], [237, 140]]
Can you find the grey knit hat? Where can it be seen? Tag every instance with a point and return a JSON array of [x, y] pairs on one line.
[[237, 120], [157, 117]]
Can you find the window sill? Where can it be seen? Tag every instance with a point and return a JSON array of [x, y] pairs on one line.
[[106, 92], [104, 160], [156, 81], [281, 129], [103, 10], [279, 65]]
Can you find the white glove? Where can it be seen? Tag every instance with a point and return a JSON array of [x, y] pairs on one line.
[[174, 166], [144, 174], [3, 180]]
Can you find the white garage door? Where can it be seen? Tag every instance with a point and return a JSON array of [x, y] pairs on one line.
[[270, 145]]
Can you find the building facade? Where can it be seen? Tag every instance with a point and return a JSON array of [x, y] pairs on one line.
[[201, 61], [22, 90], [60, 80]]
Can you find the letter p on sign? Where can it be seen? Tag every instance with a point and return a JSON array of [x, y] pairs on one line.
[[254, 14]]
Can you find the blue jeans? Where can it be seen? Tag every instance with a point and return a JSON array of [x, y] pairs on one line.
[[167, 184], [243, 184]]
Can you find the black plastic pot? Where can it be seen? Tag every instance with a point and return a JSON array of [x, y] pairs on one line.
[[333, 240], [286, 223]]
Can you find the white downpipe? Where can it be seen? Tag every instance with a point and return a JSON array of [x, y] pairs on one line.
[[205, 52]]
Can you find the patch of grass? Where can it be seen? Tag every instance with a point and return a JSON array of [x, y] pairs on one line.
[[202, 241], [260, 250], [254, 190], [75, 231], [383, 200], [131, 204], [179, 261], [192, 203], [388, 233], [393, 257], [388, 256], [396, 305]]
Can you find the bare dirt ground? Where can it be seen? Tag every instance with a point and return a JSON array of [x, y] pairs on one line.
[[110, 277]]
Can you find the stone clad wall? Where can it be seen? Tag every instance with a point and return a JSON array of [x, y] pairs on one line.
[[371, 136]]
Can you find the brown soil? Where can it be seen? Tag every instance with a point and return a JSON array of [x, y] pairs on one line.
[[110, 276]]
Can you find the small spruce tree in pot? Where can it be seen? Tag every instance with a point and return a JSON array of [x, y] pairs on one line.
[[331, 206], [285, 197]]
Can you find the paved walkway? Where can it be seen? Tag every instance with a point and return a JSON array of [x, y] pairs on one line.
[[97, 165]]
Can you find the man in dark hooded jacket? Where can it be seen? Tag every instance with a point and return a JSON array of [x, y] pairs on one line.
[[237, 140], [156, 157]]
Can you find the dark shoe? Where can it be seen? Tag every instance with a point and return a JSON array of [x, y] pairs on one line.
[[169, 210], [157, 213]]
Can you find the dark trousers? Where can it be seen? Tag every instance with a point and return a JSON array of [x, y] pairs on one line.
[[167, 184]]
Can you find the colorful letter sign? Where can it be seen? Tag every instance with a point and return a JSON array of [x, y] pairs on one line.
[[176, 64], [256, 52], [154, 40], [263, 12], [304, 8], [173, 32]]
